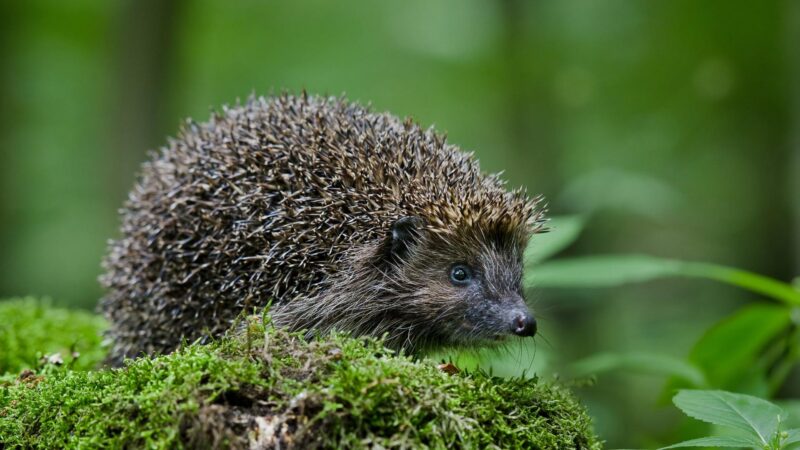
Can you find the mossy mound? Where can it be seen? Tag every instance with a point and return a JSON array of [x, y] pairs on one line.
[[31, 329], [267, 388]]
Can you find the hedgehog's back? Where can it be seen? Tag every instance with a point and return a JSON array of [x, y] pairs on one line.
[[264, 201]]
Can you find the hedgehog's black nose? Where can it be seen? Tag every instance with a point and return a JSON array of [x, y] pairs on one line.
[[524, 325]]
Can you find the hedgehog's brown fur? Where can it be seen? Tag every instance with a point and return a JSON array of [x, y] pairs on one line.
[[289, 200]]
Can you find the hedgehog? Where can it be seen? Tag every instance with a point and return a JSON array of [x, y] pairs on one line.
[[336, 217]]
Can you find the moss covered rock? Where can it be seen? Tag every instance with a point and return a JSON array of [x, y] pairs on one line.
[[267, 388]]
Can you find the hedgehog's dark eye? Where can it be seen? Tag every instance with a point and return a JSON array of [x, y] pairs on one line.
[[460, 274]]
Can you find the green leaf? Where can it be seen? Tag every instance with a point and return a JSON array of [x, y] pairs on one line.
[[564, 231], [616, 270], [754, 282], [641, 362], [781, 356], [716, 441], [757, 417], [602, 271], [792, 437], [727, 350], [792, 408]]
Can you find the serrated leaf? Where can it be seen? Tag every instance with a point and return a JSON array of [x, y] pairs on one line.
[[757, 417], [564, 230], [641, 362], [617, 270], [716, 441]]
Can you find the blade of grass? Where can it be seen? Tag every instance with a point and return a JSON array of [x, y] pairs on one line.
[[616, 270], [754, 282]]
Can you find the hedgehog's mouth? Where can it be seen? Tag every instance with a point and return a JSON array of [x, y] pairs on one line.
[[470, 335], [492, 340]]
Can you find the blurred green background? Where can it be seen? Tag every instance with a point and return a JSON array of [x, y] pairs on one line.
[[676, 124]]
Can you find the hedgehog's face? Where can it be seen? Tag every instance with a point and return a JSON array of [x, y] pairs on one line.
[[466, 287]]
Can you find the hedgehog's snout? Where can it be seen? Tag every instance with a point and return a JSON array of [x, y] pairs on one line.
[[520, 320], [524, 324]]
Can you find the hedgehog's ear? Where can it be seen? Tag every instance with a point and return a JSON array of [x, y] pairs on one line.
[[403, 234]]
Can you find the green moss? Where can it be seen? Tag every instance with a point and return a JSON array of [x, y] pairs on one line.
[[31, 328], [267, 387]]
